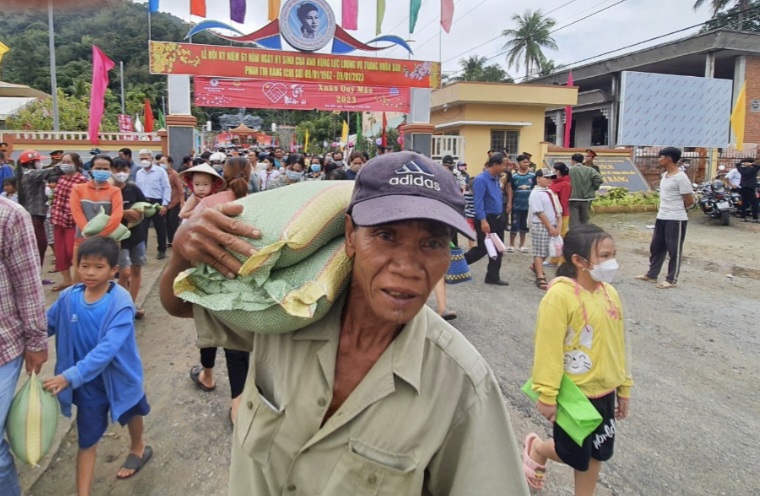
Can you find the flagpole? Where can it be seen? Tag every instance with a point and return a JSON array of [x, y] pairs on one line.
[[121, 78], [53, 76]]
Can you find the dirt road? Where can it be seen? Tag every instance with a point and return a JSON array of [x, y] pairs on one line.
[[694, 427]]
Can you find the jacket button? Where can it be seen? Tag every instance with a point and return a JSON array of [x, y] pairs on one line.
[[321, 402], [250, 405], [372, 479], [291, 487]]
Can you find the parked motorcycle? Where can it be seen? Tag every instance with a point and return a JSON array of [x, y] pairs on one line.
[[715, 201]]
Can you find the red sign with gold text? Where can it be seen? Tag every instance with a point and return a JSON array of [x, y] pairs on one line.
[[262, 93], [275, 65]]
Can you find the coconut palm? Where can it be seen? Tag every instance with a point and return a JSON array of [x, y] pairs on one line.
[[718, 5], [474, 68], [533, 34]]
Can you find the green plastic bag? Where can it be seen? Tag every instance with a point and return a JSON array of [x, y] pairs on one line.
[[96, 225], [575, 413], [147, 209], [32, 421]]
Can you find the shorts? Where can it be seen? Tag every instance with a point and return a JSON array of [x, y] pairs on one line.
[[133, 256], [92, 420], [539, 238], [519, 221], [598, 445]]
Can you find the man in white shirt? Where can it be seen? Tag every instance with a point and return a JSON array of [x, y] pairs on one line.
[[154, 183], [734, 178], [676, 195]]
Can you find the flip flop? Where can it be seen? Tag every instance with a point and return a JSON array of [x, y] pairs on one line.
[[644, 277], [47, 282], [195, 373], [60, 287], [534, 472], [448, 315], [666, 285], [134, 462], [139, 313]]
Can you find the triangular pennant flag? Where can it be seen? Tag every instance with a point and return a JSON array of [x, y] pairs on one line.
[[414, 12], [380, 17], [274, 9], [739, 116], [350, 15], [447, 14], [237, 10], [101, 64], [568, 116], [198, 8], [152, 5], [3, 50], [148, 117]]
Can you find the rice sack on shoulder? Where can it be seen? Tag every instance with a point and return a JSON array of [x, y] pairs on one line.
[[300, 269]]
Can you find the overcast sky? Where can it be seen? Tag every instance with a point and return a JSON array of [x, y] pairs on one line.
[[478, 21]]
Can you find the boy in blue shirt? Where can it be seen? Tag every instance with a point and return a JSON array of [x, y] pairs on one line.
[[522, 183], [98, 367]]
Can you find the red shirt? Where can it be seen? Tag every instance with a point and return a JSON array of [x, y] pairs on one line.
[[562, 188], [60, 210]]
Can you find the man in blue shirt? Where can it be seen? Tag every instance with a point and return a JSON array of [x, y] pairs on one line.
[[489, 215], [523, 182], [154, 183]]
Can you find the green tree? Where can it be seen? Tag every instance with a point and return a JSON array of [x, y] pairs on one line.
[[736, 17], [474, 68], [528, 40], [74, 114], [548, 67], [716, 6]]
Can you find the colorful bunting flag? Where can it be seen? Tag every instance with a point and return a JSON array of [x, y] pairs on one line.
[[237, 10], [161, 120], [3, 50], [306, 142], [380, 16], [274, 9], [198, 8], [152, 5], [359, 138], [738, 117], [344, 136], [101, 64], [148, 117], [447, 14], [568, 116], [350, 15], [385, 130], [414, 11]]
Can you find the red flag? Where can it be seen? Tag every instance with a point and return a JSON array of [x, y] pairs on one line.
[[101, 64], [385, 130], [568, 115], [198, 8], [148, 126], [447, 14], [350, 15]]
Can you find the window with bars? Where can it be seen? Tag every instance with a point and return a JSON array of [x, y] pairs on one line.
[[506, 140]]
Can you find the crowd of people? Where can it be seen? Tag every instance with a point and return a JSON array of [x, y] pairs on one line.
[[400, 239]]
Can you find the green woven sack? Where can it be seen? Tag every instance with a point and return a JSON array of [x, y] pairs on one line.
[[295, 222], [145, 208], [290, 299], [32, 421], [299, 270], [96, 225]]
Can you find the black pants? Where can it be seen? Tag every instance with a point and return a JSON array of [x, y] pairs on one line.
[[667, 240], [237, 367], [159, 221], [579, 212], [497, 223], [40, 235], [749, 201], [172, 222]]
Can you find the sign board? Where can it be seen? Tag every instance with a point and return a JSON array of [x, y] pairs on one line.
[[262, 93], [618, 171], [668, 110], [272, 65]]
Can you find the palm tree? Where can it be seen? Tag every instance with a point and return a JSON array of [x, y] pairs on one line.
[[533, 34], [718, 5]]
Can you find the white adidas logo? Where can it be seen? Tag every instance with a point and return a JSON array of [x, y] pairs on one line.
[[412, 174]]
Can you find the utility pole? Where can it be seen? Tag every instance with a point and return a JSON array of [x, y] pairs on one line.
[[53, 78]]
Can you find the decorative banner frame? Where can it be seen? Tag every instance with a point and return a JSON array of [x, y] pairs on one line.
[[233, 62], [262, 93]]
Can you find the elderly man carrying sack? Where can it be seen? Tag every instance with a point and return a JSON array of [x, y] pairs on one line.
[[381, 396]]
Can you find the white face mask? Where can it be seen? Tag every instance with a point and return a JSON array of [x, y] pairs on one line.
[[145, 163], [121, 177], [605, 271]]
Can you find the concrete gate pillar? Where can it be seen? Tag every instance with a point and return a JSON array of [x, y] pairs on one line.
[[418, 131], [180, 123]]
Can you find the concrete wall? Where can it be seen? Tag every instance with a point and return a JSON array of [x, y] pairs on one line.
[[752, 129], [583, 126]]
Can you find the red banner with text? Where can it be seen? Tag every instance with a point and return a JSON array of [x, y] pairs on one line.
[[264, 94], [276, 65]]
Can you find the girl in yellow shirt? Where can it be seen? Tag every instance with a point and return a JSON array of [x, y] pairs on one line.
[[580, 332]]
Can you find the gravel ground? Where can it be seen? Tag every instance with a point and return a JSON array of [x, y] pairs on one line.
[[693, 428]]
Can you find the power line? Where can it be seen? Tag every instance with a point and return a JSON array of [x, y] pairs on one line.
[[563, 5], [550, 32], [455, 21], [567, 66]]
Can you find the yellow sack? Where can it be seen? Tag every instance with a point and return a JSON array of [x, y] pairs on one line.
[[32, 421]]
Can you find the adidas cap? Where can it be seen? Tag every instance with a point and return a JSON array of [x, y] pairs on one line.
[[407, 186]]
